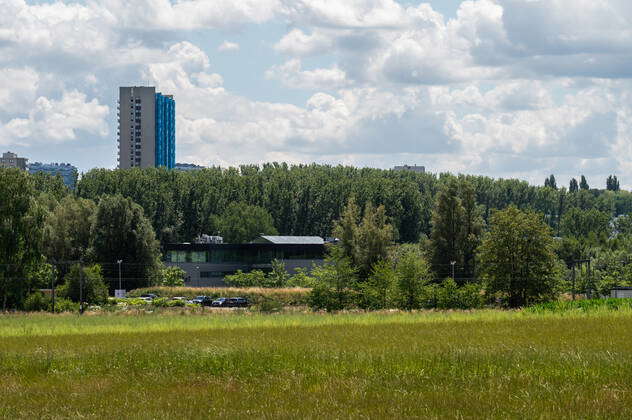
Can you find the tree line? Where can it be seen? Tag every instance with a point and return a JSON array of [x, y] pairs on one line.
[[126, 215]]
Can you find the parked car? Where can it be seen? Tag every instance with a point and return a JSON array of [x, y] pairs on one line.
[[181, 298], [202, 300], [148, 296], [220, 302], [238, 302]]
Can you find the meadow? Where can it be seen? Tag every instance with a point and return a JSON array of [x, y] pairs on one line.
[[479, 364]]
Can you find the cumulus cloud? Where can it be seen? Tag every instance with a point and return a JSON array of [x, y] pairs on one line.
[[291, 74], [506, 87], [57, 121], [228, 46]]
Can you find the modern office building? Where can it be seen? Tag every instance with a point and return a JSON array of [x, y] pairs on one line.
[[11, 160], [408, 168], [147, 128], [66, 171], [206, 264]]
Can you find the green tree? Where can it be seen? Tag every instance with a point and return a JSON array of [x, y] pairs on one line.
[[122, 232], [67, 229], [379, 291], [447, 228], [279, 276], [21, 225], [612, 183], [592, 225], [517, 259], [573, 186], [336, 282], [550, 182], [172, 276], [87, 283], [242, 223], [413, 273], [364, 242], [623, 225], [472, 229], [456, 228], [583, 184]]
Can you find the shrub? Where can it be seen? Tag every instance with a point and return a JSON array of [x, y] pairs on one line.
[[36, 302], [269, 306], [255, 278], [172, 276], [161, 302], [66, 305]]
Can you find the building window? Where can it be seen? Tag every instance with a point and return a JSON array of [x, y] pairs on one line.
[[199, 257]]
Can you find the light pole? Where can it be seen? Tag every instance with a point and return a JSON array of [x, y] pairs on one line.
[[452, 264], [198, 276], [119, 264]]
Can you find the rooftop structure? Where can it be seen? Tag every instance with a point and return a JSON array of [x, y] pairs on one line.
[[66, 171], [147, 133], [293, 240], [11, 160], [414, 168]]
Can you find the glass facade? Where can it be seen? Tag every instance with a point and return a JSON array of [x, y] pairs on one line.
[[165, 131], [244, 255]]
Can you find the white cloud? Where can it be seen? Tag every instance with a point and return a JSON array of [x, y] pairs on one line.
[[291, 74], [507, 87], [18, 88], [228, 46], [57, 121], [297, 43]]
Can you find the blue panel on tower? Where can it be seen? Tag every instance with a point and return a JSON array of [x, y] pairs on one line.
[[165, 131]]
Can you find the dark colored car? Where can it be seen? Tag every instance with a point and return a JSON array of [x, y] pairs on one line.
[[238, 302], [203, 300], [221, 302]]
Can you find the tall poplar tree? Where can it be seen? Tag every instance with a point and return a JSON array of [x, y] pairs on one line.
[[447, 229]]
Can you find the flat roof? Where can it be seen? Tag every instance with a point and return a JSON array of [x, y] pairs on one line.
[[292, 240]]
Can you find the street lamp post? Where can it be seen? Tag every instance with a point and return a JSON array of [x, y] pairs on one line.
[[119, 264], [452, 263]]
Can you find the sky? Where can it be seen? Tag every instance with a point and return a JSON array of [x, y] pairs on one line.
[[503, 88]]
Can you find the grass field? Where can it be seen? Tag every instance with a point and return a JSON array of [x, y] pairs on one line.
[[483, 364]]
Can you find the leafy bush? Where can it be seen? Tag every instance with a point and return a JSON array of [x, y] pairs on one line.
[[66, 305], [255, 278], [36, 302], [330, 299], [172, 276]]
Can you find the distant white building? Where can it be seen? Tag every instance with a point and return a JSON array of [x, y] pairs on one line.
[[414, 168]]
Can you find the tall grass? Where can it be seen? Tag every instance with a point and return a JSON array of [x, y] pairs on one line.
[[488, 364]]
